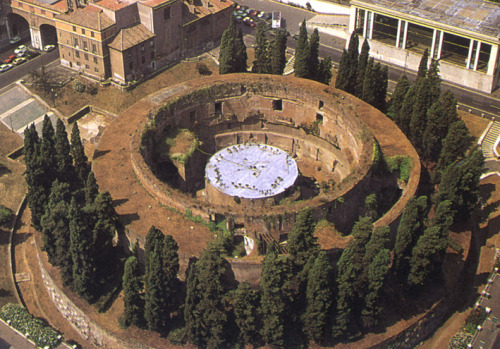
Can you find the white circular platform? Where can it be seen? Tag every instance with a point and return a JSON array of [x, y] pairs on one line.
[[251, 171]]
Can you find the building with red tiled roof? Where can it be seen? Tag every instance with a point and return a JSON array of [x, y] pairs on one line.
[[124, 39]]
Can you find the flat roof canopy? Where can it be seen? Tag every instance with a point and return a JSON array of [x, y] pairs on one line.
[[251, 171], [476, 16]]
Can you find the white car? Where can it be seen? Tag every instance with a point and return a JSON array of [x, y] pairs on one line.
[[14, 40], [48, 48], [21, 51], [5, 67]]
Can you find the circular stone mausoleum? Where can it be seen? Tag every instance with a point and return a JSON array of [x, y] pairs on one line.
[[256, 149]]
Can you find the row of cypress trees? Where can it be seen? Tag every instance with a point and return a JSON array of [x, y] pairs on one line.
[[76, 221], [360, 76]]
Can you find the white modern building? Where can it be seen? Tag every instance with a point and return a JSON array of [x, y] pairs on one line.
[[463, 34]]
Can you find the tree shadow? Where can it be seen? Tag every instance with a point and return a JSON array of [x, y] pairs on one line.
[[4, 294], [487, 210], [486, 191], [119, 202], [128, 218], [99, 153], [4, 170], [19, 238]]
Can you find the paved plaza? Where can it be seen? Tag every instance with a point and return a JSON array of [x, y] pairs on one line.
[[18, 109]]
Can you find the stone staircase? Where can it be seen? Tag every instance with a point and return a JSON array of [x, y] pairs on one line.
[[289, 66], [488, 143]]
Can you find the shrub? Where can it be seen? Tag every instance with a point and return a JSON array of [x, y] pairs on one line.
[[20, 319], [203, 69], [476, 317], [5, 215], [460, 340], [400, 163], [78, 86], [92, 90]]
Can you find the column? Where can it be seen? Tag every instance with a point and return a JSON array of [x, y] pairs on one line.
[[365, 24], [372, 18], [398, 35], [469, 56], [478, 51], [405, 35], [493, 60], [353, 19], [36, 39], [433, 45], [440, 46], [8, 28]]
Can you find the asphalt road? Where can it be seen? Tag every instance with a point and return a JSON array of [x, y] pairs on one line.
[[478, 103], [24, 69], [11, 339]]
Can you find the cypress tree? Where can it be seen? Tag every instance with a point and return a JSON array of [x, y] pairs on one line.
[[382, 79], [435, 131], [407, 110], [91, 189], [192, 326], [369, 83], [418, 121], [422, 67], [155, 312], [361, 69], [343, 72], [427, 256], [154, 239], [455, 145], [278, 53], [81, 161], [262, 63], [244, 304], [409, 230], [240, 53], [377, 274], [48, 153], [37, 193], [80, 242], [319, 299], [379, 240], [353, 53], [274, 288], [65, 170], [449, 104], [227, 58], [133, 305], [314, 55], [208, 318], [301, 65], [301, 241], [325, 71], [434, 81], [398, 96], [444, 216], [105, 220], [170, 264]]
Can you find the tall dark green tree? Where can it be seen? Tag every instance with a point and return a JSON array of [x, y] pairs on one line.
[[154, 239], [379, 240], [346, 78], [301, 65], [91, 189], [80, 242], [301, 241], [318, 299], [346, 277], [81, 161], [455, 145], [205, 325], [377, 274], [362, 64], [435, 132], [155, 312], [245, 306], [406, 111], [449, 104], [275, 298], [443, 217], [427, 256], [398, 97], [325, 71], [262, 63], [314, 55], [409, 230], [133, 303], [422, 67], [278, 53], [227, 58], [64, 161], [369, 83], [37, 194], [48, 153], [418, 122], [240, 53]]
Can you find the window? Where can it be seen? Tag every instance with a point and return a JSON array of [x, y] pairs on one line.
[[86, 57], [74, 29], [143, 48], [131, 65], [95, 60], [20, 5], [129, 54], [143, 59], [152, 55], [319, 117], [92, 34], [278, 104], [218, 107], [166, 13], [83, 31], [78, 63], [77, 54], [32, 9], [87, 66], [96, 70], [75, 42], [42, 12], [85, 46], [321, 104], [151, 43], [94, 48]]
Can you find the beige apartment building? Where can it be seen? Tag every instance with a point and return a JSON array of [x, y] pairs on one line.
[[124, 40]]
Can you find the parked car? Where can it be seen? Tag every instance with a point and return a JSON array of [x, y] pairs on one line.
[[267, 16], [254, 13], [21, 50], [9, 59], [48, 48], [261, 14], [19, 60], [248, 21], [31, 54], [238, 19], [14, 40], [5, 67]]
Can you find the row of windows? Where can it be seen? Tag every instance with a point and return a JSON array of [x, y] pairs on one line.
[[88, 67], [143, 60], [85, 48], [86, 56], [84, 32]]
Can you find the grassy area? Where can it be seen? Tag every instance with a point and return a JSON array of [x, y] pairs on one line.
[[475, 124]]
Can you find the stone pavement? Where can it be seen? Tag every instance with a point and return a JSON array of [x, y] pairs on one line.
[[12, 339], [489, 336]]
